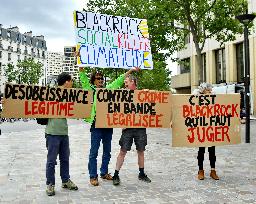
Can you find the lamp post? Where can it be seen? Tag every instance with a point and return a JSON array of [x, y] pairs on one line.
[[246, 19]]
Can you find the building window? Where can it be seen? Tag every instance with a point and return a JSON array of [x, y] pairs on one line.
[[26, 50], [0, 54], [220, 66], [240, 62], [184, 65], [9, 56], [202, 70]]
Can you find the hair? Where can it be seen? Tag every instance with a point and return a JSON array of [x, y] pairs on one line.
[[63, 77], [93, 76], [203, 87], [133, 78]]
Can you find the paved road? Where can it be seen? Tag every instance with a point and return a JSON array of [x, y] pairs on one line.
[[20, 126], [172, 170]]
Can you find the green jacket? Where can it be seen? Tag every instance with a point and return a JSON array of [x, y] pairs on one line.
[[57, 126], [87, 86]]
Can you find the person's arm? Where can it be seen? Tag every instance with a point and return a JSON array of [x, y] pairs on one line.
[[116, 84], [84, 79]]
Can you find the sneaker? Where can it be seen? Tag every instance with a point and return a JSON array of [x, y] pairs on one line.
[[94, 181], [50, 190], [69, 185], [107, 177], [200, 175], [213, 175], [116, 180], [144, 177]]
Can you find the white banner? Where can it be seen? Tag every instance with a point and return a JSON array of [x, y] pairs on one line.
[[112, 41]]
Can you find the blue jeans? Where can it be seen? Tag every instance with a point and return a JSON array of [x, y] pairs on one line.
[[98, 134], [55, 145]]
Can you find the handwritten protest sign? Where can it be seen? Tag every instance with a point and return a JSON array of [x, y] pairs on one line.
[[133, 108], [45, 102], [205, 120], [112, 41]]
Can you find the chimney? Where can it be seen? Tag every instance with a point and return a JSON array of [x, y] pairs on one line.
[[15, 29], [41, 37], [28, 33]]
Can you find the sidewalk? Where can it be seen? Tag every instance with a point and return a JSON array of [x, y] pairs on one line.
[[173, 171]]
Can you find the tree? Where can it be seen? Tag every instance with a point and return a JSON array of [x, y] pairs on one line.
[[27, 71], [171, 21], [9, 70], [135, 9]]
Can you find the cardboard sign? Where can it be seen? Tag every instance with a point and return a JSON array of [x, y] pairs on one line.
[[112, 41], [205, 120], [133, 109], [25, 101]]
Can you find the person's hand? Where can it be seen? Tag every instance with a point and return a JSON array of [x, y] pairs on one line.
[[81, 69], [135, 69], [77, 54]]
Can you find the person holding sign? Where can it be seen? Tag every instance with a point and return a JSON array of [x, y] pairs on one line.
[[128, 135], [100, 134], [57, 143], [206, 88]]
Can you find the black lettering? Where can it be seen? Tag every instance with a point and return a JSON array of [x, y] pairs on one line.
[[58, 91], [53, 93], [47, 93], [65, 96], [73, 96], [8, 91], [42, 93], [23, 93], [35, 93], [115, 22], [29, 92], [190, 100], [110, 110], [85, 93], [98, 95], [81, 19], [126, 108], [213, 98]]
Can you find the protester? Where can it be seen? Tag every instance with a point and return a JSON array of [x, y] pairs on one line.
[[100, 134], [57, 143], [206, 88], [128, 135]]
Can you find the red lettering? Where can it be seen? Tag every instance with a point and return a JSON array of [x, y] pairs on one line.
[[234, 110], [145, 119], [27, 112], [158, 120], [139, 96], [186, 111], [216, 109], [165, 98], [70, 108], [210, 136], [225, 130], [34, 107], [109, 120]]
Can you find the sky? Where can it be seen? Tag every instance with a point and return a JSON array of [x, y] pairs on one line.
[[51, 18]]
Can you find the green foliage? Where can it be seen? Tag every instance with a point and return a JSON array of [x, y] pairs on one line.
[[9, 72], [171, 21], [159, 77], [27, 72], [77, 84]]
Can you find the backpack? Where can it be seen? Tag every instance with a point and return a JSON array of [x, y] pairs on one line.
[[42, 121]]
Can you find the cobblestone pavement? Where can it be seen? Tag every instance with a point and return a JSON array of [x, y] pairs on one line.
[[172, 170]]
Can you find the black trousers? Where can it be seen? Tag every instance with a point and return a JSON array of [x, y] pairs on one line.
[[212, 157]]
